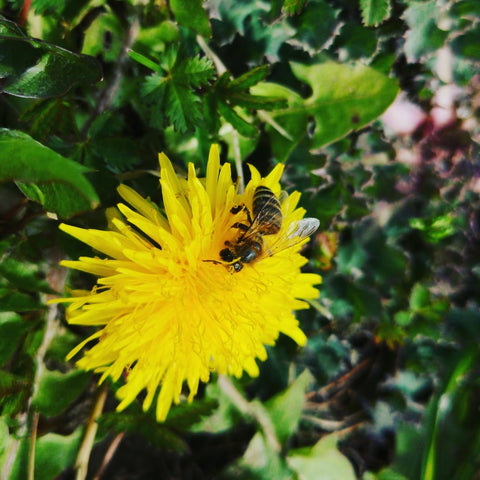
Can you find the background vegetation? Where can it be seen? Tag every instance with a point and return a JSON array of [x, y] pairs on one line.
[[388, 384]]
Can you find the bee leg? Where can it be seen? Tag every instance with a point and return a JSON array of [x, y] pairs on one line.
[[241, 226], [249, 217], [239, 208], [236, 209]]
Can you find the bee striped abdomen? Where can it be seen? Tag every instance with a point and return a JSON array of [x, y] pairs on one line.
[[266, 211]]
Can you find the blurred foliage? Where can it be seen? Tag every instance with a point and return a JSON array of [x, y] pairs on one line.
[[387, 386]]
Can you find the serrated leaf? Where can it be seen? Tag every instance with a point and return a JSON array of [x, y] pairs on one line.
[[323, 460], [182, 107], [375, 12], [285, 409], [57, 390], [195, 71], [249, 79], [35, 69], [190, 14], [237, 122], [44, 175]]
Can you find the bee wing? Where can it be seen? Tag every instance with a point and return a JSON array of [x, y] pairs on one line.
[[304, 228], [298, 232]]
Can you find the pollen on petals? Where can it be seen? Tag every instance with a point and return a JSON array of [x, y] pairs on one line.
[[171, 311]]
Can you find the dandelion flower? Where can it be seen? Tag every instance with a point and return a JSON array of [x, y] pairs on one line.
[[171, 313]]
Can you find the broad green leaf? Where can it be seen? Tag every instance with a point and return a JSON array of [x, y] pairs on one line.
[[44, 175], [23, 275], [5, 443], [375, 11], [344, 98], [155, 37], [322, 461], [36, 69], [419, 298], [261, 461], [190, 14], [15, 301], [53, 454], [57, 391], [105, 25], [12, 328], [466, 45], [286, 408], [293, 125], [223, 418]]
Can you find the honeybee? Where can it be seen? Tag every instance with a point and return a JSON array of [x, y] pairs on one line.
[[267, 220]]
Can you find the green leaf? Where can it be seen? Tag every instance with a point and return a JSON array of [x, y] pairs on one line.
[[237, 122], [182, 107], [293, 7], [344, 98], [322, 461], [12, 328], [466, 45], [14, 301], [44, 175], [36, 69], [424, 37], [293, 126], [260, 461], [56, 391], [48, 117], [419, 298], [286, 408], [190, 14], [317, 25], [196, 71], [403, 318], [222, 418], [249, 79], [257, 102], [23, 275], [105, 25], [54, 453], [374, 12]]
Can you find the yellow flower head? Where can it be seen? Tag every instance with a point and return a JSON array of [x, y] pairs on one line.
[[172, 309]]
